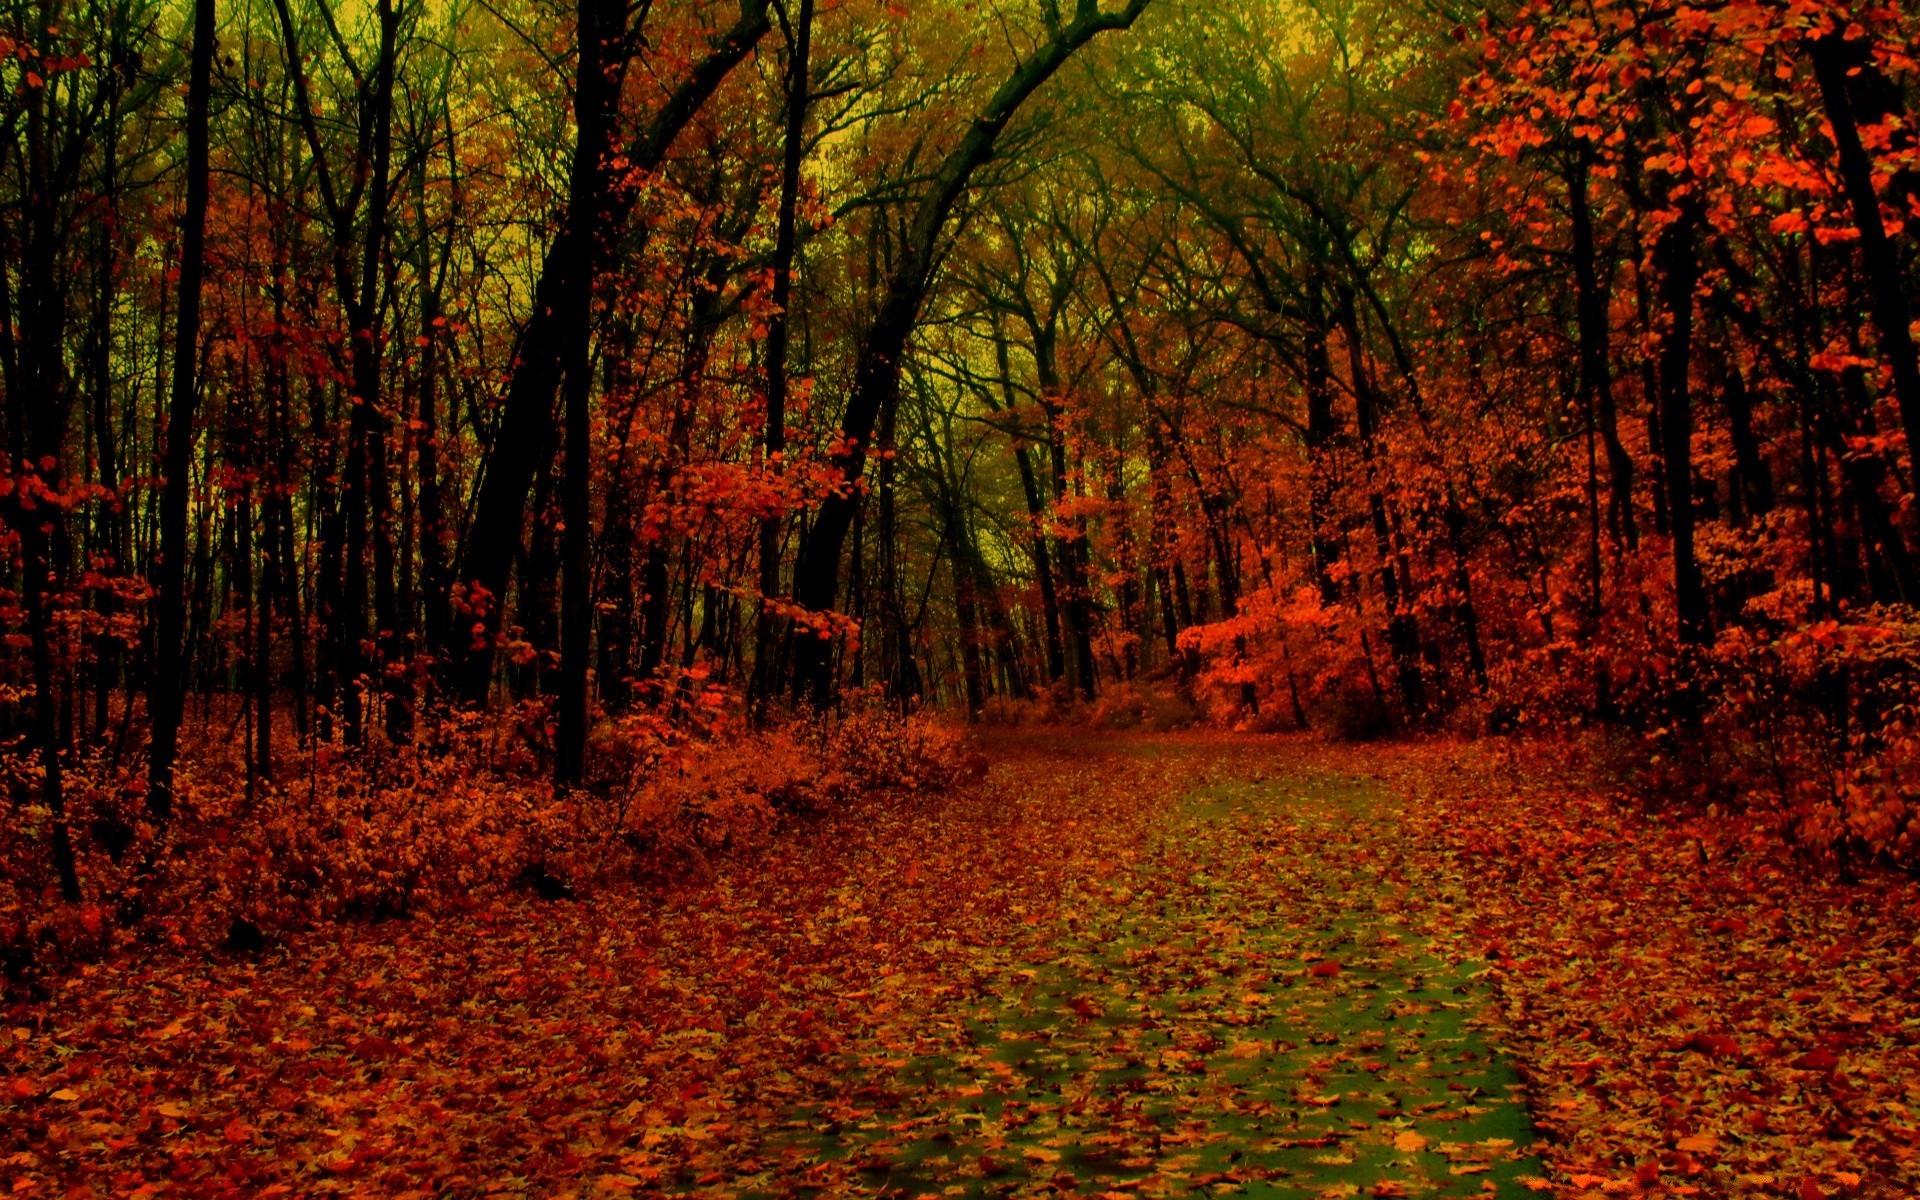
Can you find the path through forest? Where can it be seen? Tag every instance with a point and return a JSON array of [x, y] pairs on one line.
[[1250, 1002], [1126, 966]]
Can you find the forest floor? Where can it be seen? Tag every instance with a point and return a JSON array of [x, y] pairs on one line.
[[1122, 965]]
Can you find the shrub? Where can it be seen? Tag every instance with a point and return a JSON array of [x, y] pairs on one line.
[[463, 812], [1143, 704], [1818, 733]]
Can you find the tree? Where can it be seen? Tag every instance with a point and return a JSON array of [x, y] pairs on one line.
[[527, 408], [169, 683], [602, 65], [876, 384]]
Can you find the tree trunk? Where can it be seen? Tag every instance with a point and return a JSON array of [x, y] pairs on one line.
[[876, 383], [1833, 58], [1323, 430], [1036, 524], [168, 690], [602, 67], [779, 337], [1752, 488], [1679, 265], [1596, 372], [526, 417]]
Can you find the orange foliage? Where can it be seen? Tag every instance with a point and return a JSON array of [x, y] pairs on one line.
[[464, 814]]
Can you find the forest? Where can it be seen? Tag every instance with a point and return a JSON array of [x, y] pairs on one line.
[[959, 597]]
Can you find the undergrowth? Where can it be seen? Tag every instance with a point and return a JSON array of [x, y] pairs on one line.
[[462, 813]]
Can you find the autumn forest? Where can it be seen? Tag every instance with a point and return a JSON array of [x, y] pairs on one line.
[[911, 598]]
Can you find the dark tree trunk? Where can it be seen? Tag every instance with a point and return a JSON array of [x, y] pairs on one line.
[[262, 603], [1679, 264], [1596, 372], [365, 497], [435, 579], [1323, 430], [967, 610], [1394, 572], [779, 338], [1036, 524], [876, 382], [110, 536], [602, 66], [392, 683], [536, 600], [1834, 57], [1077, 604], [1752, 489], [526, 417], [168, 690]]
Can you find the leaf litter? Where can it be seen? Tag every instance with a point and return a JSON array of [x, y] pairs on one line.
[[1121, 966]]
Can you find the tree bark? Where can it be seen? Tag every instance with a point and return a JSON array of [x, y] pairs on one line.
[[779, 336], [167, 695], [602, 67], [1596, 373], [1833, 58], [1678, 261]]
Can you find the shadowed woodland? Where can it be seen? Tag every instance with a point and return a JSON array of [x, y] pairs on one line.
[[484, 472]]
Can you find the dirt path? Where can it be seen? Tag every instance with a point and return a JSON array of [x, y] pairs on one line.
[[1248, 1007], [1141, 967]]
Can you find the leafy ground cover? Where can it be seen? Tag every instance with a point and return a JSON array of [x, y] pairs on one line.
[[1123, 966], [1700, 1012]]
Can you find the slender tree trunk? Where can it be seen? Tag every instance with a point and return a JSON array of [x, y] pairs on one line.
[[37, 559], [1596, 372], [779, 337], [602, 66], [876, 383], [393, 682], [526, 420], [1036, 523], [1323, 430], [1650, 387], [967, 611], [435, 580], [1069, 549], [1394, 571], [168, 689], [1833, 58], [1077, 604], [1679, 265], [1752, 481], [262, 681], [242, 592], [36, 414], [111, 523]]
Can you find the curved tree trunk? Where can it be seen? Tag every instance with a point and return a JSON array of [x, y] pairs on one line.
[[876, 384], [526, 416]]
